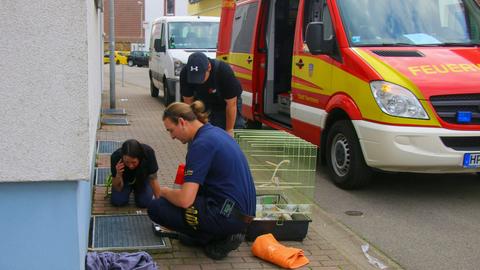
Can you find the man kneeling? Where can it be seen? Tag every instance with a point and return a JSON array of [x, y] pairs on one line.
[[217, 200]]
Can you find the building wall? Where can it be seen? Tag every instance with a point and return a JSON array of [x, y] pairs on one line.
[[206, 8], [40, 226], [155, 9], [51, 91], [128, 20]]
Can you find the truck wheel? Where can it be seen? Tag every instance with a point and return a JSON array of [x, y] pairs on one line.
[[344, 157], [167, 98], [153, 89], [130, 63]]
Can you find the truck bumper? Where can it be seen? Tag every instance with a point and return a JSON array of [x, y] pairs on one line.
[[412, 149]]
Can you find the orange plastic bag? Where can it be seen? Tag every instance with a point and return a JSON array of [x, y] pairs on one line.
[[268, 248]]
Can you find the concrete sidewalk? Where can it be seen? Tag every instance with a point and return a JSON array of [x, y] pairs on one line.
[[329, 245]]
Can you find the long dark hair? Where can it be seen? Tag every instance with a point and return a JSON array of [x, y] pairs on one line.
[[134, 149]]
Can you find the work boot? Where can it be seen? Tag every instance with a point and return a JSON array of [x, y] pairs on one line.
[[163, 232], [218, 250], [189, 241], [186, 240]]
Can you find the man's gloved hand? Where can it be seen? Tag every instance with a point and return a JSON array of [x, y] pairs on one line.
[[191, 216]]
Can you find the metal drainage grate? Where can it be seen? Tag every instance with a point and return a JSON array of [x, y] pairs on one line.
[[114, 111], [125, 233], [108, 147], [115, 121], [101, 175]]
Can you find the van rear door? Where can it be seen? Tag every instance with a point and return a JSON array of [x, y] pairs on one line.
[[242, 51]]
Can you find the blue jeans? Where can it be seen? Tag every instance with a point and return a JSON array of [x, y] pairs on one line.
[[143, 195], [218, 118]]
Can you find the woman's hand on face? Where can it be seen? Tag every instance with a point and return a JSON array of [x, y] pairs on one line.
[[120, 167]]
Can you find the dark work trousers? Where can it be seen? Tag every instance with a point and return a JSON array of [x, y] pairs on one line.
[[211, 225], [218, 118], [143, 195]]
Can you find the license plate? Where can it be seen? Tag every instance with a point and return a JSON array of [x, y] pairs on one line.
[[471, 160]]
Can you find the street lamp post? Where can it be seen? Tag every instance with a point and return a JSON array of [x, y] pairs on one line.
[[141, 22]]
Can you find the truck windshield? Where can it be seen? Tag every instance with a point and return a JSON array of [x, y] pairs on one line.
[[192, 35], [411, 22]]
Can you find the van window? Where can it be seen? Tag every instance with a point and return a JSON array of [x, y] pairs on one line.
[[155, 34], [242, 32], [426, 22], [317, 11], [192, 35], [312, 13], [163, 42]]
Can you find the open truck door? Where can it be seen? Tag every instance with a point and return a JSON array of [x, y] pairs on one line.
[[236, 46]]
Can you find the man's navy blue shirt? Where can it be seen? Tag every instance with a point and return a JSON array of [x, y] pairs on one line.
[[216, 162]]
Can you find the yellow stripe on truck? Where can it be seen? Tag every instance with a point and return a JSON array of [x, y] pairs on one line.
[[392, 75], [240, 59], [357, 89]]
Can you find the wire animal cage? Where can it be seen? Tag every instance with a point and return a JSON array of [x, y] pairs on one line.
[[283, 168]]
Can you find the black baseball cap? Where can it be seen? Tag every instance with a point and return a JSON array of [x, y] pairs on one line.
[[197, 66]]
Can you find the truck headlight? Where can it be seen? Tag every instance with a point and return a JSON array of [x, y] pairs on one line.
[[397, 101], [177, 66]]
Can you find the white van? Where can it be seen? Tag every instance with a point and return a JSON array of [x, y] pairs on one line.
[[173, 39]]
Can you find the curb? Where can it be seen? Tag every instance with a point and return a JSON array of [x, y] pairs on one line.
[[347, 242]]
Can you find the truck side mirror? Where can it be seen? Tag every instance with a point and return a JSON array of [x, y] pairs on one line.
[[316, 42], [157, 45]]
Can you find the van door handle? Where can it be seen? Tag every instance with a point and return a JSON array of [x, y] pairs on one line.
[[300, 64]]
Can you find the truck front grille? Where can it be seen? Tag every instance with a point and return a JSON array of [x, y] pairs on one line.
[[462, 143], [447, 107]]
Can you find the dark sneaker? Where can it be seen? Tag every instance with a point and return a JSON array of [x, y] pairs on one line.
[[218, 250], [189, 241]]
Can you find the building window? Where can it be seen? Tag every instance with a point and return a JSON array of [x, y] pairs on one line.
[[170, 7]]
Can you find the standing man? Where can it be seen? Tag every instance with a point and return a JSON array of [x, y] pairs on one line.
[[214, 83], [217, 200]]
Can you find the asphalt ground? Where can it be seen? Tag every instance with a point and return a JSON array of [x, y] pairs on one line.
[[422, 221]]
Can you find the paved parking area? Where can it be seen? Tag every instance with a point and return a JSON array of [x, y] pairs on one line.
[[144, 114]]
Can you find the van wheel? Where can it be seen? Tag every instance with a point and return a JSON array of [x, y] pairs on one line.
[[167, 98], [130, 63], [153, 89], [344, 157]]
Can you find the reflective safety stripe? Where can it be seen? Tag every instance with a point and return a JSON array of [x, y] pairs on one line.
[[247, 98], [191, 217], [308, 114]]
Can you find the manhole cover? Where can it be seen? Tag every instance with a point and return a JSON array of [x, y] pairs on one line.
[[354, 213], [115, 121], [125, 233], [108, 147], [114, 111]]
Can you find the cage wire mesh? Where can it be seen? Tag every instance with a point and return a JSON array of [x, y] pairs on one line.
[[283, 168]]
